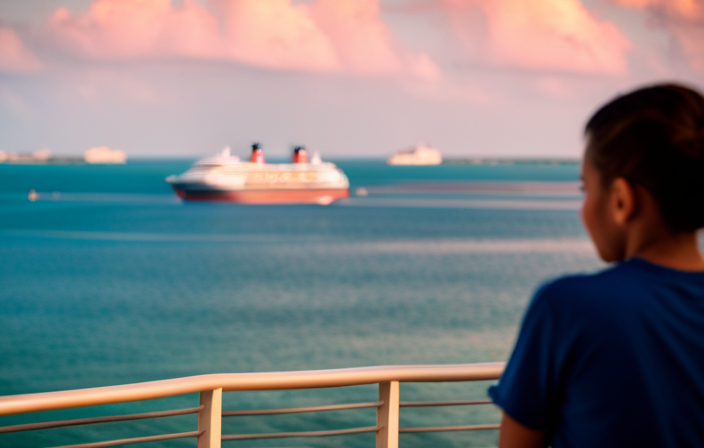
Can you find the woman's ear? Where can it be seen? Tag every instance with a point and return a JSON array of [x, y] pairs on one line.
[[622, 203]]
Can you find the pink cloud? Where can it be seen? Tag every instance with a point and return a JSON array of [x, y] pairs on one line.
[[541, 35], [130, 29], [362, 39], [14, 55], [275, 34], [683, 19], [319, 36], [684, 8]]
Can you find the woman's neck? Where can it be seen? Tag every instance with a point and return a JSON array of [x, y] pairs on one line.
[[678, 251], [648, 236]]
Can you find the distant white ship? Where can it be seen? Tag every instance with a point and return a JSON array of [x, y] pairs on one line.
[[226, 178], [416, 155], [103, 154]]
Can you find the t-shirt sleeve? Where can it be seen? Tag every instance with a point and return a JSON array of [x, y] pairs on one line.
[[527, 388]]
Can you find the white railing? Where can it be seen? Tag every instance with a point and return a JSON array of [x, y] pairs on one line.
[[211, 388]]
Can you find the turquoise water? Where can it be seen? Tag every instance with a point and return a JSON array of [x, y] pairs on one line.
[[107, 278]]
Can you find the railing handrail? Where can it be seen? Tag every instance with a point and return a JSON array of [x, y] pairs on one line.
[[307, 379]]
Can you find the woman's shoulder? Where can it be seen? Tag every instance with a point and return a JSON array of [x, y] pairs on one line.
[[578, 283], [607, 288], [628, 279]]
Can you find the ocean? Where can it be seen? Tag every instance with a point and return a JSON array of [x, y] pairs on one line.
[[108, 278]]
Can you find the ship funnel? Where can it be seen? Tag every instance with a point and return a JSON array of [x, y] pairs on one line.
[[257, 154], [300, 155]]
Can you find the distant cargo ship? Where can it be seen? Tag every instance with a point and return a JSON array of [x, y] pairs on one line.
[[416, 155], [226, 178]]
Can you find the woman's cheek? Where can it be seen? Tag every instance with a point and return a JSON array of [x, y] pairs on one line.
[[588, 215]]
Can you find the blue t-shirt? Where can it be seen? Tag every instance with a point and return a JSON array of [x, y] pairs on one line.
[[614, 359]]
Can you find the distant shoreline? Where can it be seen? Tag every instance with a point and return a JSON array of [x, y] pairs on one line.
[[68, 160], [78, 160]]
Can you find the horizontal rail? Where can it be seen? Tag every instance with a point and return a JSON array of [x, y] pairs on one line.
[[451, 428], [20, 404], [281, 435], [334, 407], [421, 404], [180, 435], [94, 420]]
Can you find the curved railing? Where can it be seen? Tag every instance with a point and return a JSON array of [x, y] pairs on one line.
[[211, 387]]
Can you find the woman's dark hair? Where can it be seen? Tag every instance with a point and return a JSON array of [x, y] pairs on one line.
[[654, 137]]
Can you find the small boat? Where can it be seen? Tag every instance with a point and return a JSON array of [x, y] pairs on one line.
[[416, 155], [224, 177]]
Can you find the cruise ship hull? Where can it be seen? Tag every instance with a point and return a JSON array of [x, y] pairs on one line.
[[310, 196]]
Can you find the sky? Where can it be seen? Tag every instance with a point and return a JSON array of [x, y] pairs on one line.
[[347, 78]]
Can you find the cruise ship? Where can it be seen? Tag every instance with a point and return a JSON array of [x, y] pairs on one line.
[[226, 178]]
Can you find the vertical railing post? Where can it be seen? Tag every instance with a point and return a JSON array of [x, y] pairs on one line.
[[387, 416], [210, 419]]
